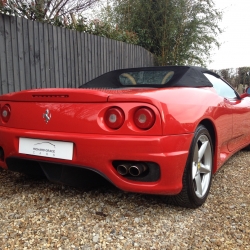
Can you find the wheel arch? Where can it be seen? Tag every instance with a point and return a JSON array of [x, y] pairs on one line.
[[209, 125]]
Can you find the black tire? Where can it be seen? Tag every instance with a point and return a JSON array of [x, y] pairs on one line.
[[247, 148], [197, 177]]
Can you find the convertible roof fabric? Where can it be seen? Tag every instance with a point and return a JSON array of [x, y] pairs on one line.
[[184, 76]]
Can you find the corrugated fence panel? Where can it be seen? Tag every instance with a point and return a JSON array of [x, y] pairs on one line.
[[32, 54], [3, 57], [9, 61], [75, 52], [20, 54], [60, 56], [26, 51], [40, 65], [79, 57], [37, 55], [15, 60], [46, 56], [65, 59]]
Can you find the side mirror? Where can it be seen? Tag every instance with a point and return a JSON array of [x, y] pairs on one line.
[[248, 90], [247, 93]]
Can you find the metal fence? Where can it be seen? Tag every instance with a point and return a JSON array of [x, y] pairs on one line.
[[38, 55]]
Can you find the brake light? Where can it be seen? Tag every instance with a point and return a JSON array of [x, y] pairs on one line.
[[144, 118], [114, 117], [5, 113]]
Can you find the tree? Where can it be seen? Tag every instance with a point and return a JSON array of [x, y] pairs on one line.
[[104, 29], [66, 13], [50, 11], [176, 31], [243, 76], [236, 76]]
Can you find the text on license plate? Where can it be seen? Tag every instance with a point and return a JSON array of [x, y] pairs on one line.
[[46, 148]]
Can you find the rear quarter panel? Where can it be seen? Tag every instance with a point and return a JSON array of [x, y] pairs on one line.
[[183, 109]]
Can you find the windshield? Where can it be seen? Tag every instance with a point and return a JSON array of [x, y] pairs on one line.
[[145, 77]]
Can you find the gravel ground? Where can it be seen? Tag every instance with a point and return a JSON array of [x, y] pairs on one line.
[[43, 215]]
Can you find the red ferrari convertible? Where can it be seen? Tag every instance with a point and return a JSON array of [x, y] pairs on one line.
[[158, 130]]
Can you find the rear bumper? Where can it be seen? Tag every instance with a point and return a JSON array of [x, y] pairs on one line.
[[97, 152]]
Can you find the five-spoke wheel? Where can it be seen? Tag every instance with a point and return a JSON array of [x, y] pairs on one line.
[[202, 166], [197, 175]]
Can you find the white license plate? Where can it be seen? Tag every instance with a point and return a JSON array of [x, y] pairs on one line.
[[46, 148]]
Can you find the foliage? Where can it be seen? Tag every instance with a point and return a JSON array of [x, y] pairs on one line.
[[244, 75], [236, 76], [57, 12], [176, 31], [66, 13], [104, 29]]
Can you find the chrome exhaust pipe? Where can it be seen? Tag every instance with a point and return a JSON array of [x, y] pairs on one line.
[[123, 169], [138, 169]]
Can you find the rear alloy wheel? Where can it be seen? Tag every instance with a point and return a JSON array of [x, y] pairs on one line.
[[198, 172]]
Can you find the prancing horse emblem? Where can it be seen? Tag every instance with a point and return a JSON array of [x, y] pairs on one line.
[[47, 116]]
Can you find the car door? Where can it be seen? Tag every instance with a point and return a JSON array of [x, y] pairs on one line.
[[241, 123], [240, 108]]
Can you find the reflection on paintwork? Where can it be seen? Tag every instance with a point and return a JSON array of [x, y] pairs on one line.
[[77, 117]]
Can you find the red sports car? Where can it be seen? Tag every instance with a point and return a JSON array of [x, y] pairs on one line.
[[158, 130]]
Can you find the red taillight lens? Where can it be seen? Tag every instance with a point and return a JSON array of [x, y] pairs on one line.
[[144, 118], [114, 117], [5, 113]]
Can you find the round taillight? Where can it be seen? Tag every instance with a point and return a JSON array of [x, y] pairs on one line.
[[5, 113], [114, 117], [144, 118]]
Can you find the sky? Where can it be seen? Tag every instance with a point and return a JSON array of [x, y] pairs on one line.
[[235, 40]]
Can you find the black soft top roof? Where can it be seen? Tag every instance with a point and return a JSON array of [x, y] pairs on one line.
[[184, 76]]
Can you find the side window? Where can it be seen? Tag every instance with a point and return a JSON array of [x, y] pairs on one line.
[[222, 88]]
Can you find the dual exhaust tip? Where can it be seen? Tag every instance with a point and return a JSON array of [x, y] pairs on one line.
[[132, 169]]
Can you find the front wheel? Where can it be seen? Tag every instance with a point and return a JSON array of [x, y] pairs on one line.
[[197, 175]]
